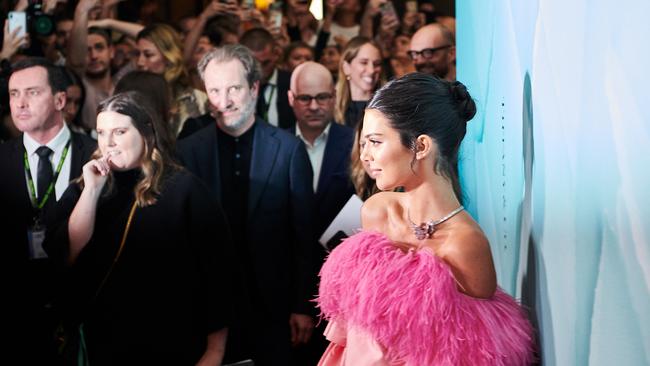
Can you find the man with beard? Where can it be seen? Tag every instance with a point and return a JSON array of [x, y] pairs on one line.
[[262, 177], [433, 51], [89, 54]]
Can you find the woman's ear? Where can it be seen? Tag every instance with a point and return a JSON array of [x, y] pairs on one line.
[[423, 147], [346, 69]]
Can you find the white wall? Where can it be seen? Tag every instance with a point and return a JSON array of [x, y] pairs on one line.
[[556, 166]]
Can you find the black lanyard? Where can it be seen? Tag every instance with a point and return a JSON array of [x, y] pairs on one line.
[[50, 188]]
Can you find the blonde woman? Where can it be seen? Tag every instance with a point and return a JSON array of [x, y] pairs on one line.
[[360, 73], [161, 53]]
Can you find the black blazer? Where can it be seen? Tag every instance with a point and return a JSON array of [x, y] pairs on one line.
[[280, 209], [334, 185], [27, 285], [286, 118]]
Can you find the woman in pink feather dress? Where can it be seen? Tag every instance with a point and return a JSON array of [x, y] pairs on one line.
[[417, 286]]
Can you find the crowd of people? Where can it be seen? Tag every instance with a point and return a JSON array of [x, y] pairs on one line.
[[166, 185]]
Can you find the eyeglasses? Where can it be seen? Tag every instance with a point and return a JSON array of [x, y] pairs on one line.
[[322, 98], [426, 53]]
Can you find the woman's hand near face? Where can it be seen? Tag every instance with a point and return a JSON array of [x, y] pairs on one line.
[[95, 173]]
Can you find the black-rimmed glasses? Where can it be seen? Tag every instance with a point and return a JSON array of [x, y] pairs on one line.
[[426, 53], [321, 98]]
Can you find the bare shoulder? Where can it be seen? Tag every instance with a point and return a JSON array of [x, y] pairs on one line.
[[467, 251], [374, 212]]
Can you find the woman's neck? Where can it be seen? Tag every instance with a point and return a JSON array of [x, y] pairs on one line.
[[432, 199], [358, 95]]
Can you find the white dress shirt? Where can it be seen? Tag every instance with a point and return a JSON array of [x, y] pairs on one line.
[[271, 98], [57, 144], [316, 151]]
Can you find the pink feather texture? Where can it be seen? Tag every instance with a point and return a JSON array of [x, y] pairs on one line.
[[410, 304]]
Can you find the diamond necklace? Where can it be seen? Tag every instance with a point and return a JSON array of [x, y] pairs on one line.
[[426, 229]]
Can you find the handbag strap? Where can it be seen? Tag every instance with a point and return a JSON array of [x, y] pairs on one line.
[[119, 250]]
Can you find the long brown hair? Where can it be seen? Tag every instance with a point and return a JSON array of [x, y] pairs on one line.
[[156, 161], [343, 96], [364, 185]]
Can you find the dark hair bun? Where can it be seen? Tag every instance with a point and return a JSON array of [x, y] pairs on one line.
[[464, 102]]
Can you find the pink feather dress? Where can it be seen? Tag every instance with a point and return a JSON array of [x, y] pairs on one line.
[[388, 307]]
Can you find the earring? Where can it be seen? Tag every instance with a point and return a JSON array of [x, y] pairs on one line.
[[347, 77]]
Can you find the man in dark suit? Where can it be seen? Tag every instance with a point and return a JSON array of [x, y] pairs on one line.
[[312, 96], [262, 177], [36, 168], [272, 103]]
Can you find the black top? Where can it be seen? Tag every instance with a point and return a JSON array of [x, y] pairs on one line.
[[354, 113], [194, 124], [168, 289], [235, 162]]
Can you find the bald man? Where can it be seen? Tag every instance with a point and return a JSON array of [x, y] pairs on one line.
[[312, 96], [433, 51]]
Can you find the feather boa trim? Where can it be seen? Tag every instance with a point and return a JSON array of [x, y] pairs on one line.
[[410, 304]]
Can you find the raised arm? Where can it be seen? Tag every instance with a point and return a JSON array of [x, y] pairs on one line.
[[78, 43], [127, 28], [368, 17], [82, 220], [192, 39]]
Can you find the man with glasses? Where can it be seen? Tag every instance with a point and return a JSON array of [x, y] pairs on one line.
[[433, 51], [328, 144]]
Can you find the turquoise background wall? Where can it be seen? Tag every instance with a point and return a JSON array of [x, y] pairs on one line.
[[556, 166]]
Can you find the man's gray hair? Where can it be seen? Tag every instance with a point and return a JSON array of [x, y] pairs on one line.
[[233, 52]]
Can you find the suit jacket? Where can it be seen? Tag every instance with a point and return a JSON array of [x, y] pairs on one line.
[[286, 118], [28, 285], [334, 186], [280, 208], [194, 124]]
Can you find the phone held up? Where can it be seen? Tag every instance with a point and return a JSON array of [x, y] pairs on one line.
[[18, 19], [387, 9], [275, 14]]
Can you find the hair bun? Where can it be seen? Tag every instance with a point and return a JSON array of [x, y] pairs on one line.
[[464, 102]]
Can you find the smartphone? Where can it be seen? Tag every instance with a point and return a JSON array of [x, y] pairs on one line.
[[18, 19], [387, 8], [276, 18], [275, 14]]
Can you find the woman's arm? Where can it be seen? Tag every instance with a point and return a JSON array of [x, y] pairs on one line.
[[470, 259], [82, 220], [215, 348]]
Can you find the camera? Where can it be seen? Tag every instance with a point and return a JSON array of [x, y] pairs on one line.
[[38, 22]]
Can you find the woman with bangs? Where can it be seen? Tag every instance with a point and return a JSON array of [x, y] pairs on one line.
[[144, 282], [360, 74], [161, 53]]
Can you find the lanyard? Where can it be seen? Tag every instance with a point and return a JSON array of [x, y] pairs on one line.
[[50, 188]]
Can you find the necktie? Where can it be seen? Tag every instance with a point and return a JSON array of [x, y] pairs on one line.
[[45, 172]]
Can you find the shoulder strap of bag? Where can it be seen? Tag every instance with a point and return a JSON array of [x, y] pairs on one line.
[[119, 250]]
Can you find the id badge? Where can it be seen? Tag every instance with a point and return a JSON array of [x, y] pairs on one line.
[[35, 238]]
